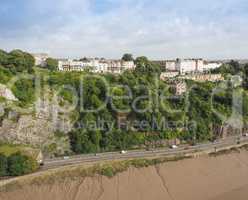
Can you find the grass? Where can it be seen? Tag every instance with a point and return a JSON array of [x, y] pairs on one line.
[[9, 149], [2, 99], [228, 151]]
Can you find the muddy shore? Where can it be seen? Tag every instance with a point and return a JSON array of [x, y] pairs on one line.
[[206, 178]]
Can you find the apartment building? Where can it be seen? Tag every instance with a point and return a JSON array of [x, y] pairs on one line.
[[210, 65], [96, 65], [170, 65], [187, 66], [71, 65]]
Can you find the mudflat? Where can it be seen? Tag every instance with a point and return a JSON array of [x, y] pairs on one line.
[[224, 177]]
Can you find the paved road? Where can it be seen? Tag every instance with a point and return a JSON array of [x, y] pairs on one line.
[[91, 158]]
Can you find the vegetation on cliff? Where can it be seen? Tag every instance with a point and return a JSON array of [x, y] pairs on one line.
[[138, 109]]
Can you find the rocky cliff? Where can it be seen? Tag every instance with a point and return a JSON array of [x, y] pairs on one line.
[[43, 125]]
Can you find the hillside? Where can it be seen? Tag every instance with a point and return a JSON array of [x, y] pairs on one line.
[[67, 113]]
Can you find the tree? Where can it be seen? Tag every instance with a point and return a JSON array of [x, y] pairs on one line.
[[3, 165], [24, 90], [245, 76], [19, 164], [235, 65], [20, 61], [5, 75], [144, 66], [80, 142], [51, 64], [3, 57], [127, 57]]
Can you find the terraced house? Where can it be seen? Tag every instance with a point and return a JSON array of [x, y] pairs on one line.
[[96, 65]]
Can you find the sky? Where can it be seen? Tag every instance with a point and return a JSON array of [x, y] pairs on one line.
[[158, 29]]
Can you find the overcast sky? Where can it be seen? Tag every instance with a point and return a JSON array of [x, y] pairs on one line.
[[158, 29]]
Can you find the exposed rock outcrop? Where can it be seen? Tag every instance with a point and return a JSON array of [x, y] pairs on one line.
[[37, 128], [7, 93]]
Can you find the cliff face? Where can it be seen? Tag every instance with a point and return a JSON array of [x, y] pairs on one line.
[[37, 128], [206, 178], [7, 93]]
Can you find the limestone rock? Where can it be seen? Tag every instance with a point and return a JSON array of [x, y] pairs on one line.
[[7, 93]]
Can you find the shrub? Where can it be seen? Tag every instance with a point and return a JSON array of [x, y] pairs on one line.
[[3, 165], [108, 171], [24, 91], [19, 164], [5, 75]]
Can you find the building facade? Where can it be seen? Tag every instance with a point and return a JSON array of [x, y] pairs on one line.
[[167, 75], [187, 66], [96, 65], [170, 65], [210, 65], [204, 77]]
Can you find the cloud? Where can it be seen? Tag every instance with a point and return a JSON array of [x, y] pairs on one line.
[[76, 28]]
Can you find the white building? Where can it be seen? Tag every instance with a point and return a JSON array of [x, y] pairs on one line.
[[96, 65], [210, 65], [40, 59], [204, 77], [101, 67], [170, 65], [185, 66], [128, 65], [168, 75], [71, 65]]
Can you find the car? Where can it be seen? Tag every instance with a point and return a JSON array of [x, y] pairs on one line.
[[245, 134], [66, 157], [174, 146], [123, 152]]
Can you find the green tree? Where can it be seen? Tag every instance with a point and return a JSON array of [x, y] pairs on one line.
[[24, 91], [20, 61], [80, 141], [3, 57], [19, 164], [52, 64], [144, 66], [127, 57], [5, 75], [3, 165]]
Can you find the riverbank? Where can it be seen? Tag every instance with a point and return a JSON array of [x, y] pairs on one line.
[[215, 177]]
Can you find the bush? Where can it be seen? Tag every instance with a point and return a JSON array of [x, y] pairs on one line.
[[52, 64], [3, 165], [24, 91], [5, 75], [19, 164], [108, 171]]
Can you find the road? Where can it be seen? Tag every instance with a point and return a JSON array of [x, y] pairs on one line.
[[92, 158]]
